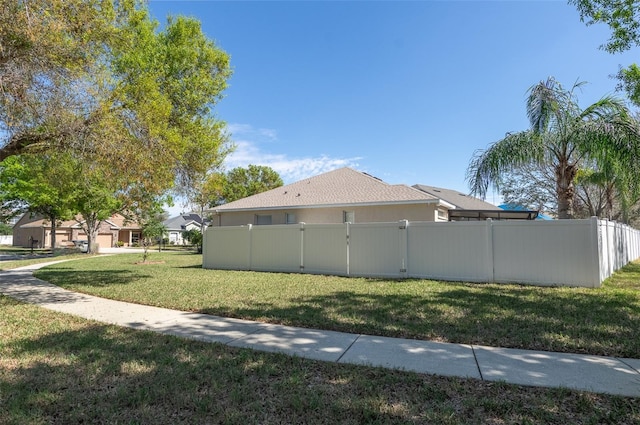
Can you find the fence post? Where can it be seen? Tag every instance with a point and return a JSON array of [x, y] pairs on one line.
[[403, 242], [204, 247], [347, 229], [595, 252], [301, 247], [491, 267], [249, 247]]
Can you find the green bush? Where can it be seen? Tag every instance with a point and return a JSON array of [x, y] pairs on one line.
[[5, 229]]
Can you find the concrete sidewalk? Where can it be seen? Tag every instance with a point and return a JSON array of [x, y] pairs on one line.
[[536, 368]]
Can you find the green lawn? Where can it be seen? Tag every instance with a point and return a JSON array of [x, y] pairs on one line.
[[60, 369], [25, 258], [602, 321]]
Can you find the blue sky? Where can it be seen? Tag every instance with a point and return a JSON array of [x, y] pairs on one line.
[[406, 91]]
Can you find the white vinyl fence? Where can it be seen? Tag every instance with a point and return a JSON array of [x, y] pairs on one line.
[[559, 252], [6, 239]]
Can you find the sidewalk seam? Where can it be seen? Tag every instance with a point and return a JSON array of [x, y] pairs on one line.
[[627, 364], [243, 336], [348, 348], [473, 350]]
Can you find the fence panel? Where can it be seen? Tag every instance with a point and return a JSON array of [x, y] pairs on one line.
[[622, 253], [545, 253], [612, 249], [276, 248], [374, 250], [605, 254], [227, 248], [450, 251], [564, 252], [6, 239], [324, 249]]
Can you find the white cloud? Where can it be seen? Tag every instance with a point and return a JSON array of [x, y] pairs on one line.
[[247, 130], [248, 152], [290, 168]]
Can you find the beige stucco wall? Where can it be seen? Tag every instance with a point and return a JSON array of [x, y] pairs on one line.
[[126, 236], [21, 238], [363, 214]]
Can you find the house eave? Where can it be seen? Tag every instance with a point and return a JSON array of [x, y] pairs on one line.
[[437, 202]]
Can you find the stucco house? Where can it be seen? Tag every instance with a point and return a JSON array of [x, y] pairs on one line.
[[338, 196], [36, 228], [181, 223]]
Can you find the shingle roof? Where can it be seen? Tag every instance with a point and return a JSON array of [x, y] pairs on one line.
[[460, 200], [181, 221], [43, 222], [116, 222], [344, 186]]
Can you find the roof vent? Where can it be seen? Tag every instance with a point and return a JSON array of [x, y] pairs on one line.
[[372, 176]]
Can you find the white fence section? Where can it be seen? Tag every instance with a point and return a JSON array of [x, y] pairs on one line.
[[559, 252], [6, 239]]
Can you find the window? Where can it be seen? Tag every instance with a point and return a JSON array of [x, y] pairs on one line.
[[442, 215], [135, 237], [263, 219], [348, 217], [290, 218]]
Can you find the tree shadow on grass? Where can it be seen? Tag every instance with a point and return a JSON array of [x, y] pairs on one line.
[[194, 266], [69, 277], [104, 374], [593, 323], [67, 370]]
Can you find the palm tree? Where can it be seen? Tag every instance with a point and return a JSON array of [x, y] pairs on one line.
[[561, 136]]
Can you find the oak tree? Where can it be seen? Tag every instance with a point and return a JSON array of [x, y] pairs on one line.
[[242, 182]]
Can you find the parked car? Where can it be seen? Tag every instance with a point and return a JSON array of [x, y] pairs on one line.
[[82, 245]]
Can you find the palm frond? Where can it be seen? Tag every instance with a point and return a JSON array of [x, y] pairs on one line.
[[515, 149], [607, 107], [546, 103]]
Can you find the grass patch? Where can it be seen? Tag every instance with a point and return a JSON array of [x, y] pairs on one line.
[[603, 321], [59, 369]]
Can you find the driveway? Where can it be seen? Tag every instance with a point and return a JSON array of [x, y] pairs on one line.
[[122, 250]]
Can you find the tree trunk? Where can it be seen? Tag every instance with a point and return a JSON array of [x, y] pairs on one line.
[[53, 234], [91, 225], [565, 191]]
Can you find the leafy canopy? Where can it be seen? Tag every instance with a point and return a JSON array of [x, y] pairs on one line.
[[43, 185], [99, 79], [128, 105], [242, 182], [622, 17]]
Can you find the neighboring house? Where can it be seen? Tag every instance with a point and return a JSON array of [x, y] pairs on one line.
[[37, 230], [469, 208], [182, 223], [338, 196]]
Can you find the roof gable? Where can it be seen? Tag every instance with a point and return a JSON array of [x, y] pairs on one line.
[[343, 186], [182, 221]]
